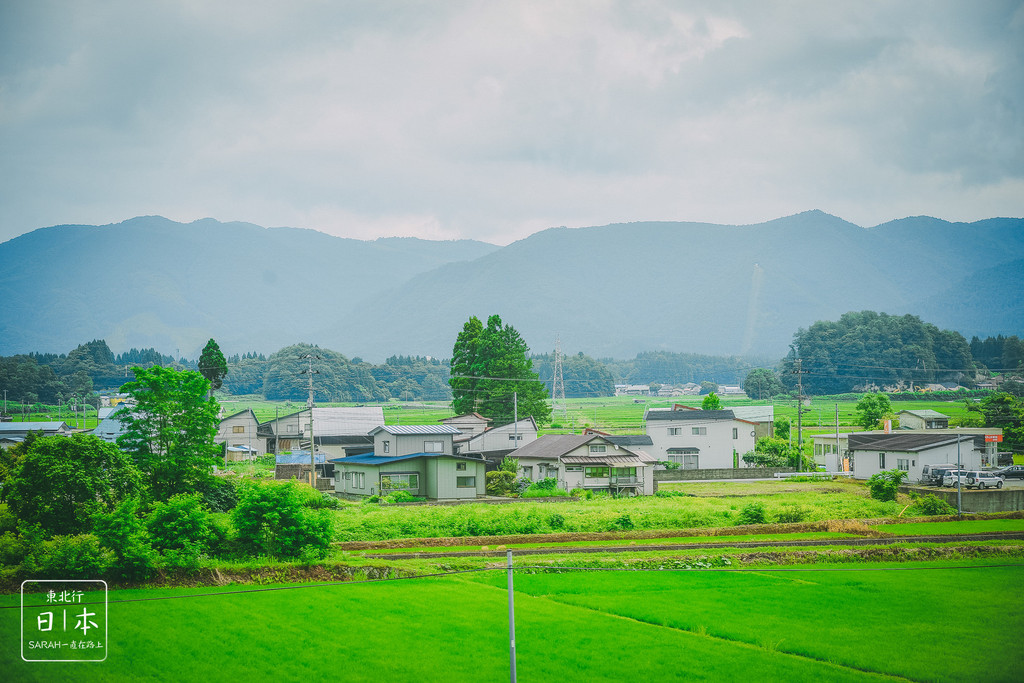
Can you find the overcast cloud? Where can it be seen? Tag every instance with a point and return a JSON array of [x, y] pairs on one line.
[[491, 120]]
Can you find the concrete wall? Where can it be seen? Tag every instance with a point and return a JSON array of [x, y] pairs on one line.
[[998, 500], [723, 473]]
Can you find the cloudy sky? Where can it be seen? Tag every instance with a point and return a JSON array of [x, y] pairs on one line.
[[492, 120]]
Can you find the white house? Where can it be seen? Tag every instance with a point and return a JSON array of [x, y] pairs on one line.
[[469, 424], [873, 452], [837, 458], [587, 461], [922, 419], [338, 431], [700, 439], [500, 440], [239, 434]]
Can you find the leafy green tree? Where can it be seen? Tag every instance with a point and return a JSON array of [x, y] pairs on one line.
[[1005, 411], [707, 388], [60, 482], [491, 372], [213, 366], [270, 519], [170, 430], [181, 529], [711, 402], [762, 383], [871, 408], [782, 427]]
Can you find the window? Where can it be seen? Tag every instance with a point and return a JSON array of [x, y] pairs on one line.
[[460, 466], [238, 429], [595, 472], [597, 449], [360, 480], [433, 446], [572, 468], [528, 472], [394, 482], [902, 464], [698, 431], [881, 461], [675, 431], [624, 471], [735, 433], [465, 482], [387, 446], [515, 437]]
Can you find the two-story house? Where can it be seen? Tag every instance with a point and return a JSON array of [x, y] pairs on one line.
[[587, 461], [699, 439], [419, 459], [239, 435]]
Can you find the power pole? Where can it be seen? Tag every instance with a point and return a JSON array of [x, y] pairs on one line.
[[799, 372], [309, 403], [558, 381]]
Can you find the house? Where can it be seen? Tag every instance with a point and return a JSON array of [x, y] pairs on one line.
[[495, 443], [762, 416], [339, 431], [240, 435], [632, 390], [469, 424], [731, 390], [922, 419], [109, 427], [699, 439], [874, 452], [835, 458], [587, 461], [15, 432], [419, 459]]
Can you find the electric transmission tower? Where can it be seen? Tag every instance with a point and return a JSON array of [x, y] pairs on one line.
[[558, 382]]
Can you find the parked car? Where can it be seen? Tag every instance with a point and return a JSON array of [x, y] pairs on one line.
[[932, 474], [983, 480], [953, 476], [1011, 472]]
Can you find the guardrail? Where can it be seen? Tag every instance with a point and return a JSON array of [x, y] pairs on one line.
[[787, 475]]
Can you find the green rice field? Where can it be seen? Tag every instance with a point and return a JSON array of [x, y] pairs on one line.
[[821, 623]]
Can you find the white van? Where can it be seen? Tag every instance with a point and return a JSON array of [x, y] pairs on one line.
[[932, 474]]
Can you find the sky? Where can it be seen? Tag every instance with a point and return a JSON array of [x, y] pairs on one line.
[[493, 120]]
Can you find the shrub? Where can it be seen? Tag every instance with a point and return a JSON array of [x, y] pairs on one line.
[[752, 513], [668, 465], [536, 492], [123, 532], [12, 549], [556, 520], [933, 505], [401, 497], [270, 519], [509, 465], [8, 521], [885, 485], [521, 485], [791, 514], [72, 557], [219, 494], [622, 523], [181, 530], [582, 494], [500, 482]]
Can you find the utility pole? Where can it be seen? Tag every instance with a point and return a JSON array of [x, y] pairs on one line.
[[839, 452], [511, 621], [515, 418], [799, 372], [309, 403]]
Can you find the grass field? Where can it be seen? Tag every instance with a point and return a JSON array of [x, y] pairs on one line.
[[914, 621]]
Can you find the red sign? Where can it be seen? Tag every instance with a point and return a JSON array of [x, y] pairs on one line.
[[993, 438]]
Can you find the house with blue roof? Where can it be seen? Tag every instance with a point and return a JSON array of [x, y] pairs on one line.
[[419, 459]]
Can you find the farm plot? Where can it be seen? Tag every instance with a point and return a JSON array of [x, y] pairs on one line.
[[765, 625]]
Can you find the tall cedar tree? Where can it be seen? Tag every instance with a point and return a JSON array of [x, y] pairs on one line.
[[491, 372], [213, 366], [170, 430]]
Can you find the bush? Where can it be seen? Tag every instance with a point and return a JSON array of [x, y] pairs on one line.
[[219, 494], [271, 520], [123, 532], [500, 482], [181, 530], [402, 497], [791, 514], [668, 465], [535, 492], [885, 485], [12, 549], [556, 520], [933, 505], [752, 513], [521, 485], [72, 557], [622, 523]]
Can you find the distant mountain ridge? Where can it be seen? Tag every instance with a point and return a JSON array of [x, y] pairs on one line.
[[609, 291]]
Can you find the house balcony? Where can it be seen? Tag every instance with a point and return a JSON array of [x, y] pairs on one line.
[[605, 482]]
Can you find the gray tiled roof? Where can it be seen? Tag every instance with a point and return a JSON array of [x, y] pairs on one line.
[[682, 415], [416, 429], [903, 442]]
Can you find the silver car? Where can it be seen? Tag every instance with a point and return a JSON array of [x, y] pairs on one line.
[[983, 480], [954, 476]]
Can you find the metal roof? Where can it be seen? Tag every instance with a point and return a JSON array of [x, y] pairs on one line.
[[602, 460], [754, 413], [18, 427], [691, 415], [371, 459], [416, 429], [925, 413], [906, 443]]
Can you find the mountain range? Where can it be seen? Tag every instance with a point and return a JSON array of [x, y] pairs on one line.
[[608, 291]]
